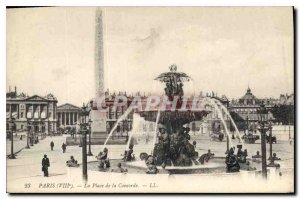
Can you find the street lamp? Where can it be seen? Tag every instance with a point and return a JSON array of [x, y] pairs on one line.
[[270, 141], [83, 128], [31, 136], [13, 128], [263, 128], [28, 129], [90, 132]]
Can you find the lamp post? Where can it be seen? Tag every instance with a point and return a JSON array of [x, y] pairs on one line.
[[263, 114], [289, 130], [90, 132], [13, 128], [75, 136], [28, 129], [227, 136], [83, 128], [227, 145], [270, 141], [247, 124], [31, 136]]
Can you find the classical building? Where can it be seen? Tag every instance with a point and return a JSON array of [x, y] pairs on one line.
[[67, 115], [244, 110], [36, 112], [214, 119]]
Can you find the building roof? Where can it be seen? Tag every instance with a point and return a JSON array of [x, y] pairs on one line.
[[68, 106], [248, 95], [50, 96], [254, 116], [24, 97]]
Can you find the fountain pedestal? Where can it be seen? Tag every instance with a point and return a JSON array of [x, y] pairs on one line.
[[173, 146]]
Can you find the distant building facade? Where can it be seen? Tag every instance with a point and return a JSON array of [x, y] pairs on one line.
[[36, 112], [244, 110], [67, 115]]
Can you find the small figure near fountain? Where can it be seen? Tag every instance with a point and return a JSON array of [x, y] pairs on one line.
[[272, 161], [206, 157], [143, 156], [195, 144], [103, 161], [72, 162], [249, 168], [231, 161], [257, 157], [119, 169], [151, 167], [241, 155], [128, 155]]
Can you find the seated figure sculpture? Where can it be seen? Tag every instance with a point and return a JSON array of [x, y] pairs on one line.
[[72, 162], [272, 161], [206, 157], [250, 168], [257, 157], [241, 155], [103, 161], [232, 164], [128, 155], [119, 169], [151, 167]]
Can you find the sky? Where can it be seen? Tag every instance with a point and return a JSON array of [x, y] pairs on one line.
[[223, 49]]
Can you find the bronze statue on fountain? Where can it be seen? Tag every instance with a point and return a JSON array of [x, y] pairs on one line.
[[174, 147], [128, 154]]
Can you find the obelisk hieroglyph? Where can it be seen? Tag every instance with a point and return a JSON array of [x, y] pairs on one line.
[[99, 118]]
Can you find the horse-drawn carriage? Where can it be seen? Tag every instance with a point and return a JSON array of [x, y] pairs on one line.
[[274, 139], [250, 138], [217, 137]]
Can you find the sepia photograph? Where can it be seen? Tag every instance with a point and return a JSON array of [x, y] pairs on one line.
[[150, 99]]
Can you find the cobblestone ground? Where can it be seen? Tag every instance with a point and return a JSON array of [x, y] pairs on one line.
[[27, 167], [18, 144]]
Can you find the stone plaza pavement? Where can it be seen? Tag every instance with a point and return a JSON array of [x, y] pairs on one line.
[[27, 167], [18, 145]]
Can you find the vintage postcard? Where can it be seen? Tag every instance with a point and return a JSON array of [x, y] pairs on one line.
[[150, 100]]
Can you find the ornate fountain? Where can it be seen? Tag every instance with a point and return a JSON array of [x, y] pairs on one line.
[[172, 150], [173, 147]]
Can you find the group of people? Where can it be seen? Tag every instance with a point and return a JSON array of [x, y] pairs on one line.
[[63, 146], [46, 163]]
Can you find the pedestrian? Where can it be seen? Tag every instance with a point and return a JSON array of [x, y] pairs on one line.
[[52, 145], [45, 165], [64, 147]]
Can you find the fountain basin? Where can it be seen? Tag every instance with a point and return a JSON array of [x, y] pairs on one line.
[[215, 165]]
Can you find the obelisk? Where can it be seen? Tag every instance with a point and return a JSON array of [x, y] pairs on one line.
[[98, 126], [99, 56]]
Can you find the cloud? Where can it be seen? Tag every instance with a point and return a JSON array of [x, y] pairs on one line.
[[149, 41]]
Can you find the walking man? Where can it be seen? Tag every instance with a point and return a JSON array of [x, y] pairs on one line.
[[52, 145], [45, 165], [64, 147]]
